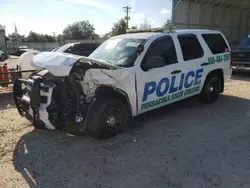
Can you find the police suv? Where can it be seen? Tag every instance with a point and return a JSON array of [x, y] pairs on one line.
[[126, 76]]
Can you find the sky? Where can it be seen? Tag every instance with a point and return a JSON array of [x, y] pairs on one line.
[[48, 16]]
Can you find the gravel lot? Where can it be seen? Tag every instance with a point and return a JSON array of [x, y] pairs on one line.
[[187, 144]]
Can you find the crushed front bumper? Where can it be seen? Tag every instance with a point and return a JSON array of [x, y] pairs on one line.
[[32, 101]]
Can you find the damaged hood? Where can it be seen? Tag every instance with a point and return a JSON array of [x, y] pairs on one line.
[[60, 64]]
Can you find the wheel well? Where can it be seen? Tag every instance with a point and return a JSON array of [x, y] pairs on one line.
[[111, 93], [220, 74]]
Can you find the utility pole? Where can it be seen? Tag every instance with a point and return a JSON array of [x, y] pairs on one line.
[[127, 10], [54, 34]]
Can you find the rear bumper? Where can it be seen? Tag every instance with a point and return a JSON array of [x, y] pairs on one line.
[[244, 68], [240, 65], [34, 107], [235, 62]]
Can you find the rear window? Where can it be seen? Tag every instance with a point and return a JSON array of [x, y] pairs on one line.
[[216, 43], [83, 47], [87, 46], [190, 47]]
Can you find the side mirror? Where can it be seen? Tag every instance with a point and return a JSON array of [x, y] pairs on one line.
[[139, 49], [153, 62]]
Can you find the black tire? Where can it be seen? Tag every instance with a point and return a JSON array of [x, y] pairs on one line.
[[233, 72], [211, 89], [108, 117]]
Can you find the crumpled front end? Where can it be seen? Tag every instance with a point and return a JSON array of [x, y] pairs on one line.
[[51, 101], [33, 108]]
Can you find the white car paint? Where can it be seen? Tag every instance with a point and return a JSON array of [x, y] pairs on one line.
[[133, 80]]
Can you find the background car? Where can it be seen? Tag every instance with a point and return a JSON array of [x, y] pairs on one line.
[[3, 55], [83, 49], [241, 56], [20, 50]]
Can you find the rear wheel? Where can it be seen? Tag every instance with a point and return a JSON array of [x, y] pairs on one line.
[[211, 89], [108, 117]]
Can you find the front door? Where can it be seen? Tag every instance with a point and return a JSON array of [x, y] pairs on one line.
[[159, 86]]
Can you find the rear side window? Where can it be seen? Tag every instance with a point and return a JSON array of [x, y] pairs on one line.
[[190, 46], [216, 43]]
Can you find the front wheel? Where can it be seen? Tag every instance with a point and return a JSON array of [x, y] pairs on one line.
[[107, 118], [211, 89]]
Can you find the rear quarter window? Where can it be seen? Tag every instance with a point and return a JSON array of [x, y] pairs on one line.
[[216, 43]]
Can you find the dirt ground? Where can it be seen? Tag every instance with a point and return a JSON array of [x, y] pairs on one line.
[[187, 144]]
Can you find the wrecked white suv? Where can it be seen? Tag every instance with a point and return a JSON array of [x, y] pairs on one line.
[[126, 76]]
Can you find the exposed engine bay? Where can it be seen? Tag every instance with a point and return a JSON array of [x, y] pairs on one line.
[[52, 101]]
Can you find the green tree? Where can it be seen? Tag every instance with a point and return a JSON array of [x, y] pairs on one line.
[[145, 25], [16, 37], [134, 27], [79, 30], [39, 38], [168, 25], [33, 37], [119, 27], [106, 35], [60, 39], [95, 37]]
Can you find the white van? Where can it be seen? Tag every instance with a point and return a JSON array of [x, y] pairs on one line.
[[126, 76]]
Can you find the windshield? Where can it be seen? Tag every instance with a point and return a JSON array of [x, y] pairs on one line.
[[118, 51]]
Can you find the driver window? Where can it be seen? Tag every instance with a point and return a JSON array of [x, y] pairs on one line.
[[164, 48]]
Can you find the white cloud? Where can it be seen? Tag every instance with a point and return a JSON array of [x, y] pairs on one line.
[[164, 11], [93, 3]]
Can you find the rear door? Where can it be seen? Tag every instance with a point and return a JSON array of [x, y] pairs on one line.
[[194, 63]]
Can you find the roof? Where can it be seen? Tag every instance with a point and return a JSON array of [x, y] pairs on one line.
[[195, 31], [142, 35], [1, 28], [146, 35]]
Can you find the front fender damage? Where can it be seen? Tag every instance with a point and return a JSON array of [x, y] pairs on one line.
[[122, 82]]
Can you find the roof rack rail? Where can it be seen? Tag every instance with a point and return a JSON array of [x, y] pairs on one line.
[[162, 30]]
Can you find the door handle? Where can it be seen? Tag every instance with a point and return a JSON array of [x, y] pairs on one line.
[[176, 72], [205, 64]]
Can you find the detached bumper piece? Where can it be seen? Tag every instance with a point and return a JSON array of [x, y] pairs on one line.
[[28, 102]]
